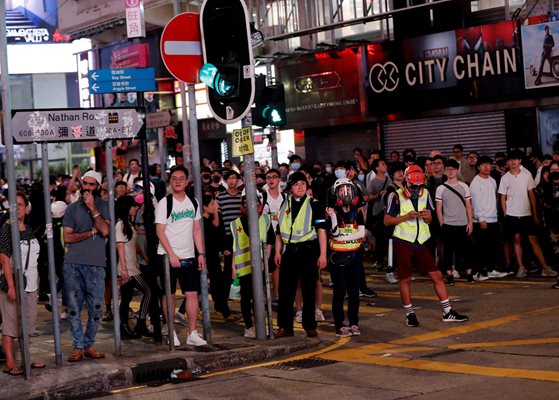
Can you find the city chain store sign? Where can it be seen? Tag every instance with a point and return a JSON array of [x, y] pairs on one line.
[[442, 60]]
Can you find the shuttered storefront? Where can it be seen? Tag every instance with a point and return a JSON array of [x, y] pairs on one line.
[[483, 132]]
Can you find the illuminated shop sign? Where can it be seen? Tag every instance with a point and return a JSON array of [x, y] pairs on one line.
[[33, 21]]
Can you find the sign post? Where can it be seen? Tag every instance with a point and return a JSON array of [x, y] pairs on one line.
[[120, 80]]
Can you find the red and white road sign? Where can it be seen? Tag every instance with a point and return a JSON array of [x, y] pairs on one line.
[[181, 47]]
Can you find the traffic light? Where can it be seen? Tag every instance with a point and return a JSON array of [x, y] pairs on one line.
[[229, 66], [269, 105]]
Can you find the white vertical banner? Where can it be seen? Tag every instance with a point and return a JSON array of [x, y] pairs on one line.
[[135, 23]]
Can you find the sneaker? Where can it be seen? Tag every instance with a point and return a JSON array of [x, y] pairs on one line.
[[318, 315], [344, 331], [480, 278], [181, 319], [249, 333], [471, 279], [411, 320], [275, 301], [176, 339], [556, 286], [391, 278], [299, 316], [64, 314], [164, 330], [496, 274], [548, 271], [355, 330], [521, 272], [455, 273], [108, 316], [450, 280], [366, 292], [194, 339], [453, 316]]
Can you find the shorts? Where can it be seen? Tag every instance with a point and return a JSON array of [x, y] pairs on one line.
[[188, 277], [406, 255], [8, 310], [515, 225]]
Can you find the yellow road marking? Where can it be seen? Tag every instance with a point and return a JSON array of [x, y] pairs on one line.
[[339, 343], [505, 343]]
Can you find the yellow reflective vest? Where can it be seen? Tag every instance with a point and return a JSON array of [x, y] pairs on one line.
[[298, 230], [241, 243], [338, 244], [415, 229]]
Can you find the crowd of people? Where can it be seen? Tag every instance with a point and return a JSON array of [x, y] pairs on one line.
[[448, 216]]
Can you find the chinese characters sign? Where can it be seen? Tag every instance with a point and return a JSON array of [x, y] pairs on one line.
[[135, 24], [75, 124]]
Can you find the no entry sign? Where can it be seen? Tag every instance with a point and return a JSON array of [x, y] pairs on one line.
[[181, 49]]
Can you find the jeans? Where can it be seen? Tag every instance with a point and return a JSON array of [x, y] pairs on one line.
[[84, 283], [346, 279]]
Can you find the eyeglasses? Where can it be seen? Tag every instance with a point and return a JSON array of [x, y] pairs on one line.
[[178, 179], [450, 169], [472, 157], [270, 177]]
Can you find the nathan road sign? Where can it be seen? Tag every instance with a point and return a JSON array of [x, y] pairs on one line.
[[181, 48], [68, 125], [119, 80]]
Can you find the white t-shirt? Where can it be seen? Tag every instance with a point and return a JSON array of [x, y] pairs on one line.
[[129, 250], [178, 227], [32, 274], [516, 189], [272, 207], [484, 199]]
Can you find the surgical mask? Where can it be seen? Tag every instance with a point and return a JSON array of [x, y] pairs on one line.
[[340, 173], [216, 179], [361, 177], [295, 166], [328, 170]]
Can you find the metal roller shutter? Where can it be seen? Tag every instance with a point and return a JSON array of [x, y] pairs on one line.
[[483, 132]]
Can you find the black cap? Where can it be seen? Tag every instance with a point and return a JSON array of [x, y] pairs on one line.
[[296, 177]]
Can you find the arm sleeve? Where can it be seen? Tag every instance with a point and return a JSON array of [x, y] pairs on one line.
[[439, 193], [6, 240], [119, 233], [318, 217], [393, 205], [161, 212]]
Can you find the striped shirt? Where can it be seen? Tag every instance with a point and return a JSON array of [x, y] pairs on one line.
[[230, 208]]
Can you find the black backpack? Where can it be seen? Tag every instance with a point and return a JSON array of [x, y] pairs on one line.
[[170, 203]]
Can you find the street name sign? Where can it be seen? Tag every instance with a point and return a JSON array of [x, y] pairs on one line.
[[119, 80], [68, 125]]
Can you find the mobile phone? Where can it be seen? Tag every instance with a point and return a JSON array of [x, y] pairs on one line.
[[185, 263]]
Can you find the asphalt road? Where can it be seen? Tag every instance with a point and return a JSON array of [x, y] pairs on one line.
[[508, 350]]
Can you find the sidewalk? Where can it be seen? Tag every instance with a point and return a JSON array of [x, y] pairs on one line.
[[142, 360]]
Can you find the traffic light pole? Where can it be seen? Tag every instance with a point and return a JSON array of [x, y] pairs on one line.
[[254, 235], [273, 130]]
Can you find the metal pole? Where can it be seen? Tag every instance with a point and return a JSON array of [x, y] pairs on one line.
[[112, 246], [273, 130], [254, 235], [50, 249], [186, 148], [162, 151], [198, 192], [16, 255], [170, 305], [268, 292]]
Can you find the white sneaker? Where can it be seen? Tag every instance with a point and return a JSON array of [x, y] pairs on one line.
[[391, 278], [548, 271], [64, 314], [194, 339], [299, 316], [250, 333], [521, 272], [164, 330], [181, 319], [176, 339], [318, 315], [455, 273], [479, 277], [496, 274]]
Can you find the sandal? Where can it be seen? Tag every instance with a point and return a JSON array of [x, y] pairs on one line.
[[15, 371], [38, 365]]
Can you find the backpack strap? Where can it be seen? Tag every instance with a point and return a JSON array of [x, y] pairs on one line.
[[455, 192]]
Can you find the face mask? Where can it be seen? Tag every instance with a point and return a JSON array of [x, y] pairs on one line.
[[361, 177], [216, 179], [554, 176], [328, 170], [283, 175], [317, 171], [340, 173], [295, 166], [260, 185]]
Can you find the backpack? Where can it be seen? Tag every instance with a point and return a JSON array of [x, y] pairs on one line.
[[170, 203]]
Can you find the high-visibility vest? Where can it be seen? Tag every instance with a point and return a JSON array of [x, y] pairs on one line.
[[241, 243], [338, 244], [298, 230], [415, 229]]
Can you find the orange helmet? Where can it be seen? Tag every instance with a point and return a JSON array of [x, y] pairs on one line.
[[414, 175]]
